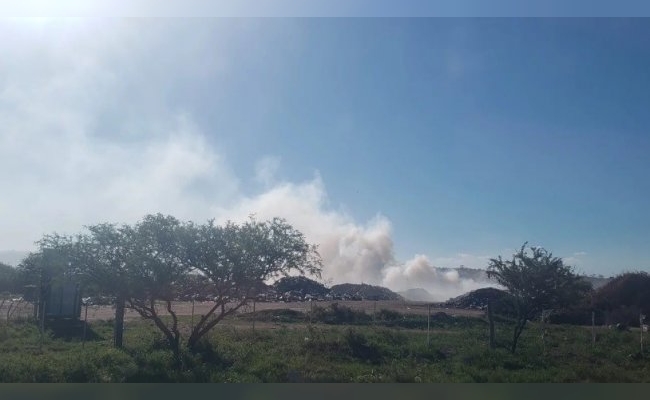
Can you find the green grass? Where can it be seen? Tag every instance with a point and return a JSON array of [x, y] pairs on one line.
[[385, 349]]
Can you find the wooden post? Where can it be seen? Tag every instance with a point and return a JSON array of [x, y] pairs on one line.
[[253, 315]]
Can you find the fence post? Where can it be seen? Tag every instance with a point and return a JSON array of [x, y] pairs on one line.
[[253, 315], [593, 328], [192, 319], [83, 340], [42, 324], [641, 318], [429, 325], [374, 312], [491, 322]]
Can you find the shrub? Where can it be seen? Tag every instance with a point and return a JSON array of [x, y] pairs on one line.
[[360, 348]]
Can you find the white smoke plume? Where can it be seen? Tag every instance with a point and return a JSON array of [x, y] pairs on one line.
[[352, 252], [94, 131], [441, 284]]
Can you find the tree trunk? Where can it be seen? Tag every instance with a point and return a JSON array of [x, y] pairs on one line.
[[118, 331], [203, 326], [519, 328], [176, 350], [172, 334]]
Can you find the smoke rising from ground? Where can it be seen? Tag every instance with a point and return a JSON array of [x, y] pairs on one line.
[[93, 131], [352, 252], [419, 272]]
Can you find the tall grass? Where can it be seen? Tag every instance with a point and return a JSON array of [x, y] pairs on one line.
[[293, 350]]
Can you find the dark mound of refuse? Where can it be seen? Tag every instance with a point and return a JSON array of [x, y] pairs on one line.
[[478, 300]]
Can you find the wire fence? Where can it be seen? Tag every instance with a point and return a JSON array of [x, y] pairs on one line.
[[15, 309], [405, 314]]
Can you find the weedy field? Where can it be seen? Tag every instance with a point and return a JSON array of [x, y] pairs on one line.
[[333, 343]]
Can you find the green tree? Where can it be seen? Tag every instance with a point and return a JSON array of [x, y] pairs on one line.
[[139, 265], [157, 272], [239, 259], [101, 258], [536, 281], [159, 259], [136, 265]]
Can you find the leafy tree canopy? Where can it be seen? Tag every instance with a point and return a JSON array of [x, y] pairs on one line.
[[160, 259], [537, 281]]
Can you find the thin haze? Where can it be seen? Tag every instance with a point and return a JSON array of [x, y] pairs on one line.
[[395, 145]]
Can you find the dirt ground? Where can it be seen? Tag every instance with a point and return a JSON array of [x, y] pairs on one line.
[[185, 308]]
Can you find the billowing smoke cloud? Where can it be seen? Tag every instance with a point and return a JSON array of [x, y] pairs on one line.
[[352, 251], [441, 284], [86, 138]]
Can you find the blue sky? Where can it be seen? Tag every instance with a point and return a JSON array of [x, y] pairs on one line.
[[397, 144], [466, 133]]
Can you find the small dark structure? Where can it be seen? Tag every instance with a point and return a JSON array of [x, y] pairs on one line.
[[61, 300], [59, 296], [59, 310]]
